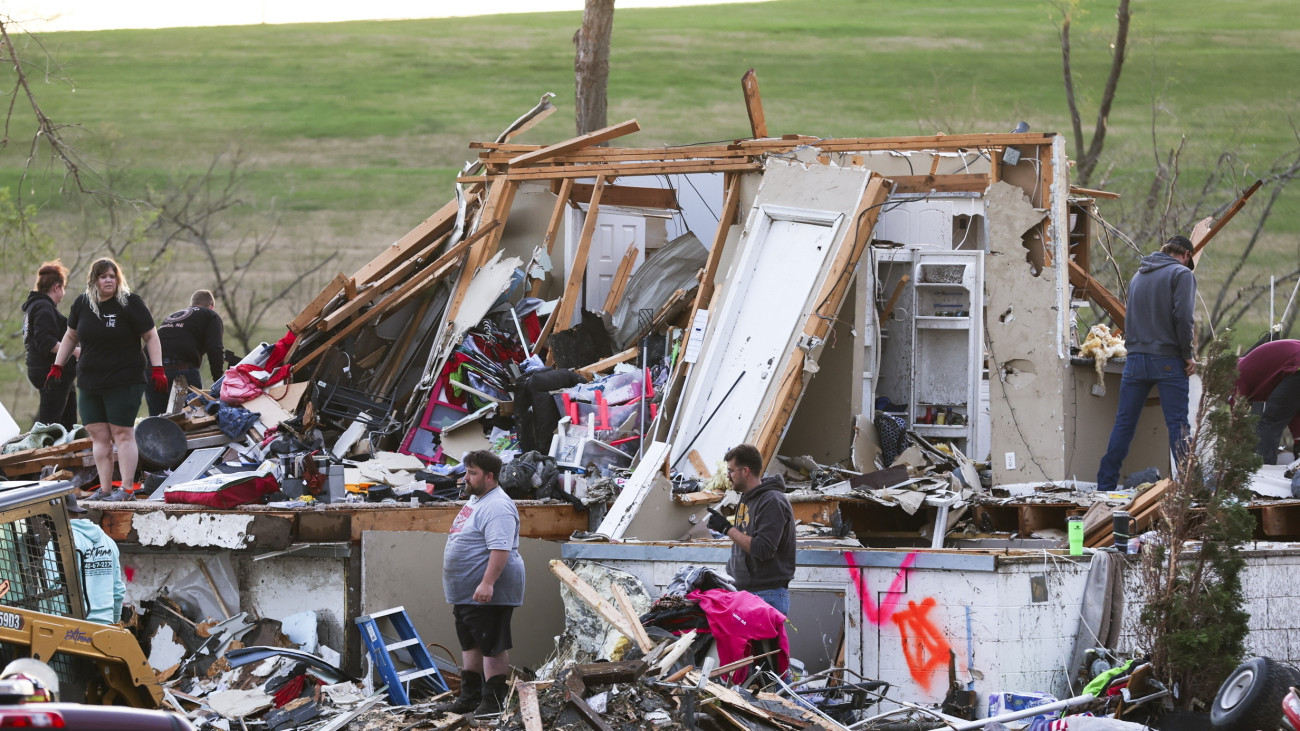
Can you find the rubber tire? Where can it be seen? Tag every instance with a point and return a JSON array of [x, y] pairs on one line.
[[1251, 697]]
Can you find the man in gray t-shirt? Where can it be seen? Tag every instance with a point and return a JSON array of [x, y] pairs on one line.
[[483, 580]]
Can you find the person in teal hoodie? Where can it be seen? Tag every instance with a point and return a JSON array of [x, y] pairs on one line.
[[100, 566]]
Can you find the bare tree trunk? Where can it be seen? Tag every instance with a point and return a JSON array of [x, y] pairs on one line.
[[591, 65], [1087, 161], [1067, 74]]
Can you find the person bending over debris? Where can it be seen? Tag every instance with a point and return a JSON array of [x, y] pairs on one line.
[[762, 550], [1158, 331], [186, 336], [109, 323], [483, 580], [1271, 374]]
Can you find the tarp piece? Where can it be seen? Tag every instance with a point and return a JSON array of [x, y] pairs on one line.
[[669, 269], [792, 237]]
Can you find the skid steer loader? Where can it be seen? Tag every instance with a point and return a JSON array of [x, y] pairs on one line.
[[43, 607]]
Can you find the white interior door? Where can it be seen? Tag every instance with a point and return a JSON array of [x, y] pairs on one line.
[[765, 301], [613, 234]]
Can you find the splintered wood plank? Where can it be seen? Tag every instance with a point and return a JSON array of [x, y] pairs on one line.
[[625, 604], [419, 237], [1097, 293], [317, 305], [501, 196], [621, 276], [403, 294], [383, 284], [610, 362], [956, 183], [625, 195], [753, 103], [30, 454], [623, 169], [1093, 192], [529, 709], [699, 464], [532, 121], [553, 226], [599, 604], [730, 204], [578, 267], [831, 297], [1223, 220], [577, 143]]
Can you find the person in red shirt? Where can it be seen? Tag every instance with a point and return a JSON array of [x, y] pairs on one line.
[[1271, 374]]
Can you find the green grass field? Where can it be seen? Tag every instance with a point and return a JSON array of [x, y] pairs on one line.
[[355, 130]]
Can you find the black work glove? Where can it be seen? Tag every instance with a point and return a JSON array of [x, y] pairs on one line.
[[717, 523]]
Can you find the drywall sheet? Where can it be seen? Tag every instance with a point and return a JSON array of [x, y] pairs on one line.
[[1026, 372], [405, 569], [793, 232]]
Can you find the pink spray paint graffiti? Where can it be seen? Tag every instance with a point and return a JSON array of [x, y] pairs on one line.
[[925, 649], [870, 611]]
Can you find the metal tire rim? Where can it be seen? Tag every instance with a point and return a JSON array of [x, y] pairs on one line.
[[1237, 688]]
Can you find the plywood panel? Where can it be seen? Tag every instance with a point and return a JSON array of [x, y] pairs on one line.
[[405, 569]]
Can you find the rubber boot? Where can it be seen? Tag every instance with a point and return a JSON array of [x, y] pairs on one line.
[[471, 693], [494, 695]]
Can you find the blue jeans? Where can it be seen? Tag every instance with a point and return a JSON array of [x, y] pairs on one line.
[[1141, 372], [778, 599]]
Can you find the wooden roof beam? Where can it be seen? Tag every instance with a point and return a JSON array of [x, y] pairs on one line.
[[577, 143]]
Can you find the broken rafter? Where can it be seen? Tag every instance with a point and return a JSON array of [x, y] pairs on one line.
[[610, 362], [577, 143], [631, 197], [314, 309], [730, 205], [578, 267], [1223, 220], [622, 169], [599, 604], [619, 282], [404, 293], [1092, 193], [1094, 290], [753, 103], [388, 281], [419, 237], [500, 197], [552, 227], [958, 183]]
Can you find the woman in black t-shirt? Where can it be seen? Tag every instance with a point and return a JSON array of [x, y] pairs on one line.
[[109, 323]]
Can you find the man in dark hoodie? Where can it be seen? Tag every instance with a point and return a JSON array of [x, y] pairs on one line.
[[762, 550], [186, 336], [43, 328], [1158, 333]]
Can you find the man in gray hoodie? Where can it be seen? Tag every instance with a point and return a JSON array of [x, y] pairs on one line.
[[1158, 333], [762, 551]]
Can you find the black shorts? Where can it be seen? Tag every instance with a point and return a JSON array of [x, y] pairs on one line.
[[483, 627]]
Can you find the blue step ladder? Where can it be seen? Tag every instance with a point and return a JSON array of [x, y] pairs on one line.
[[379, 648]]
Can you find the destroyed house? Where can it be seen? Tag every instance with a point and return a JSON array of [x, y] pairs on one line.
[[889, 320]]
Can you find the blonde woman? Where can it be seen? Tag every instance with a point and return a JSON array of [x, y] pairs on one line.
[[109, 323]]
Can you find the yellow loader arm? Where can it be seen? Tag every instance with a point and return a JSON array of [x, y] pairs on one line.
[[123, 669]]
